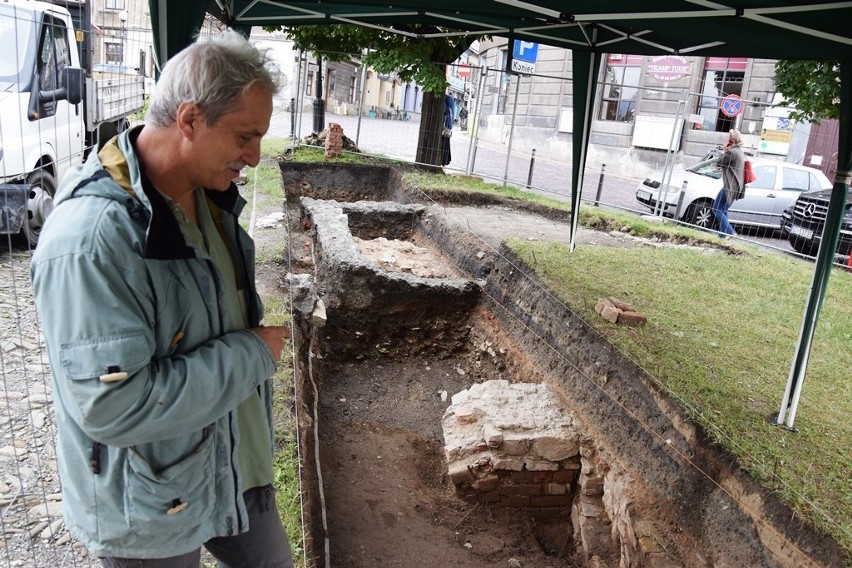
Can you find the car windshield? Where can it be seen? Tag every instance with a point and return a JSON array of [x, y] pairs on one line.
[[16, 28], [707, 168]]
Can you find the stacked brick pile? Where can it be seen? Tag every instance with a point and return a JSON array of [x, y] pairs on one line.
[[334, 141], [618, 311], [512, 445]]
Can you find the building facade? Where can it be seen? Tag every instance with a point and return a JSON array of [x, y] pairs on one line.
[[644, 106], [123, 36]]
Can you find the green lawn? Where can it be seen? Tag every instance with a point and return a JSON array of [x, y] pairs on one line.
[[721, 334]]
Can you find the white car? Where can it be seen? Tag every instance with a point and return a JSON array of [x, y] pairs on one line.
[[778, 184]]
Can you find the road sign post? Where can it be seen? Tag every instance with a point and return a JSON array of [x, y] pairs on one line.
[[522, 61], [731, 106]]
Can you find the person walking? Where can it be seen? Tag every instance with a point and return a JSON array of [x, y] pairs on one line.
[[144, 282], [732, 164], [447, 129]]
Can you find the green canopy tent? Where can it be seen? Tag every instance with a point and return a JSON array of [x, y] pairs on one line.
[[732, 28]]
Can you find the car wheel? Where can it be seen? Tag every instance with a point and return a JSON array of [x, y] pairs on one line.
[[39, 204], [701, 215], [803, 246]]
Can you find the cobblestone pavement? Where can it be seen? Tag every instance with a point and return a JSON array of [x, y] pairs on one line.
[[30, 504]]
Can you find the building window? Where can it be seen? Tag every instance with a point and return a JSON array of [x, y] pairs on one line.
[[114, 52], [723, 76], [352, 89], [332, 84], [309, 83], [621, 87], [114, 5]]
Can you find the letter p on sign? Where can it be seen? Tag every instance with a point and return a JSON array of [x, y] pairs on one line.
[[527, 45]]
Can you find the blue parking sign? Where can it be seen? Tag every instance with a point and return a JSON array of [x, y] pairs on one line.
[[524, 54]]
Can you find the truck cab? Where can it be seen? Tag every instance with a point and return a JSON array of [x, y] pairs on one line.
[[51, 108]]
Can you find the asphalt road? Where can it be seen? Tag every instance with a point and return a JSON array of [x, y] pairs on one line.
[[398, 139]]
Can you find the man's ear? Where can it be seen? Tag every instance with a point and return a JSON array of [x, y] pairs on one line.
[[188, 118]]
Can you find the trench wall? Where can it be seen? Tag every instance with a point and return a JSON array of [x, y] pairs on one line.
[[636, 438]]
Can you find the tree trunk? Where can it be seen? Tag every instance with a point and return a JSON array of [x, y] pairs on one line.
[[431, 125]]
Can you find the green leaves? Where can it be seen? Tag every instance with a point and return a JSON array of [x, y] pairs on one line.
[[812, 87], [415, 58]]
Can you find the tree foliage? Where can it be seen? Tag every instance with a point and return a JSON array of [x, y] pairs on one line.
[[414, 57], [812, 88]]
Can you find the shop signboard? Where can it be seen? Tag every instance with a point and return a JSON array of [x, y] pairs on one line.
[[668, 68]]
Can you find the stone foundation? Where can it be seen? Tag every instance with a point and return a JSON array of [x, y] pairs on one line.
[[512, 445]]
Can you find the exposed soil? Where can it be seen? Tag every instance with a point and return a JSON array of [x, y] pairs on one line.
[[387, 496]]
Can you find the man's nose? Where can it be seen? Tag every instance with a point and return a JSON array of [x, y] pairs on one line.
[[251, 156]]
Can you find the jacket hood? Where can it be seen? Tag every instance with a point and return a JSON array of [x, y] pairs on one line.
[[115, 173]]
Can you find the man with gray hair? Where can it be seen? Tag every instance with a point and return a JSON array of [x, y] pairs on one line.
[[144, 281]]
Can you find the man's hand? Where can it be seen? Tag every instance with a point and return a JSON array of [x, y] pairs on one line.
[[274, 337]]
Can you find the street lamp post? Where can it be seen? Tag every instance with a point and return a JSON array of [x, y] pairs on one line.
[[123, 33], [319, 103]]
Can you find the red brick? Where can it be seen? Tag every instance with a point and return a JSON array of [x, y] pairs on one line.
[[520, 501], [521, 476], [564, 476], [620, 304], [520, 490], [490, 497], [465, 414], [632, 318], [487, 483], [542, 476], [610, 314], [550, 501], [604, 303], [459, 473], [556, 489]]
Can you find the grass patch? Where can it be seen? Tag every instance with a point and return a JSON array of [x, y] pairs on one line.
[[286, 459], [721, 334], [283, 148], [270, 196]]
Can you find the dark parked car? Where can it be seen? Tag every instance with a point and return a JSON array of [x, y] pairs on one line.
[[786, 220], [807, 220]]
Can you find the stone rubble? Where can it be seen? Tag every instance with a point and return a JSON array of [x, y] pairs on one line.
[[512, 444]]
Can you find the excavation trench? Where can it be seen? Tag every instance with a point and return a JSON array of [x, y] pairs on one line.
[[453, 413]]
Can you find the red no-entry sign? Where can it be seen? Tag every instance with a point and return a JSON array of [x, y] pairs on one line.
[[463, 70], [732, 105]]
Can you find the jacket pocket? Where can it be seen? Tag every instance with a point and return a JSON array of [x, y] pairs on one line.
[[93, 358], [174, 500]]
